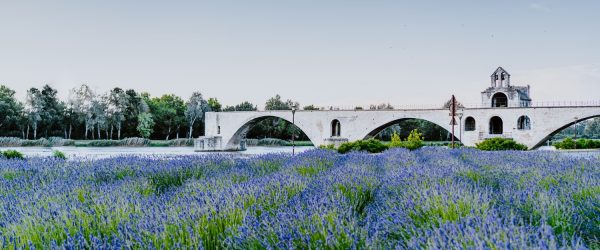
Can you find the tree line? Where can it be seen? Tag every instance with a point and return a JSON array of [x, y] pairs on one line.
[[120, 113]]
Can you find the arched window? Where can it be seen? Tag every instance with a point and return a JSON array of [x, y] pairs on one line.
[[496, 126], [499, 100], [336, 128], [524, 123], [470, 124]]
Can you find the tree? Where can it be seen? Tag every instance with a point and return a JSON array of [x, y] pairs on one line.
[[10, 109], [52, 109], [69, 117], [275, 103], [169, 113], [592, 128], [145, 125], [245, 106], [118, 102], [195, 108], [310, 107], [135, 106], [81, 99], [214, 104], [99, 106], [34, 106], [381, 106]]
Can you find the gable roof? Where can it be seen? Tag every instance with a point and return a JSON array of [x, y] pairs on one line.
[[500, 70]]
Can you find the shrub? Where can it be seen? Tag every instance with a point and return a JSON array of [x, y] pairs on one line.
[[10, 142], [104, 143], [328, 146], [181, 142], [569, 143], [495, 144], [271, 142], [58, 154], [59, 141], [13, 154], [370, 145], [135, 141], [414, 141]]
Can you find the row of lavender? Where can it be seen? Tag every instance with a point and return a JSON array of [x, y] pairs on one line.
[[429, 198]]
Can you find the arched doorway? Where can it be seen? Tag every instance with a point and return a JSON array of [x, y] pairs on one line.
[[336, 128], [470, 124], [524, 123], [496, 125], [499, 100]]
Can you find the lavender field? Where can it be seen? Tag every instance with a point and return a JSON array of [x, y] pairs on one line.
[[425, 199]]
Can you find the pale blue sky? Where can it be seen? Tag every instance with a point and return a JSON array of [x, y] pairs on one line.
[[316, 52]]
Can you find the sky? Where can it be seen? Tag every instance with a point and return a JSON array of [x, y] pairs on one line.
[[339, 53]]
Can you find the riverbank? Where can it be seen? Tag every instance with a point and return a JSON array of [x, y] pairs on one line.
[[135, 142], [127, 142]]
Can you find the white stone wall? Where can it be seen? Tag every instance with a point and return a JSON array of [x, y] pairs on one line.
[[355, 125]]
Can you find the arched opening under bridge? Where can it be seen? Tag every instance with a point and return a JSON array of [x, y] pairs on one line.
[[580, 128], [431, 131], [270, 131]]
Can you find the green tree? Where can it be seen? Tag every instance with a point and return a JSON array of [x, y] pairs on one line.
[[145, 125], [275, 103], [10, 109], [34, 107], [52, 114], [169, 114], [195, 108], [135, 106], [310, 107], [214, 104], [245, 106]]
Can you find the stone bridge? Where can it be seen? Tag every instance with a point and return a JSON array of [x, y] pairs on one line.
[[506, 111], [531, 126]]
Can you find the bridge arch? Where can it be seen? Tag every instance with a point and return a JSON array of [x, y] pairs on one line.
[[374, 130], [555, 131], [240, 134]]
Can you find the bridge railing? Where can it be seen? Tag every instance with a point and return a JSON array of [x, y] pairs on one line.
[[466, 105]]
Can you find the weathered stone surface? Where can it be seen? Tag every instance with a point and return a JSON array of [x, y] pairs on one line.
[[362, 124]]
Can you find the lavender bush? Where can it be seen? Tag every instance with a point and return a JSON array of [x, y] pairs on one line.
[[425, 199]]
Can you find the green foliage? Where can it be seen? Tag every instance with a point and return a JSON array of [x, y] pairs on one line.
[[214, 104], [58, 154], [328, 146], [395, 140], [495, 144], [13, 154], [275, 103], [370, 145], [569, 143], [10, 108], [414, 140], [168, 113], [310, 107], [145, 125]]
